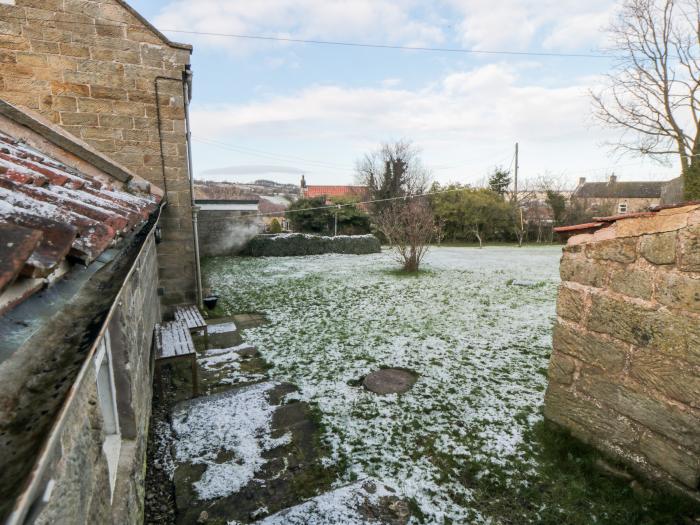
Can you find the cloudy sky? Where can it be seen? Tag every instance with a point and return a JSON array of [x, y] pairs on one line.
[[275, 110]]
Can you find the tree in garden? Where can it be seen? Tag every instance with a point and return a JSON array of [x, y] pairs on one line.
[[394, 170], [499, 181], [466, 212], [309, 215], [557, 203], [409, 227], [275, 226], [653, 96]]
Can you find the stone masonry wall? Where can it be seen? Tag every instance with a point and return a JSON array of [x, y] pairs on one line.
[[81, 493], [223, 232], [625, 369], [91, 66]]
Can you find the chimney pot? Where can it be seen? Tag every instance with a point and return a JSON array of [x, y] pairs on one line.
[[613, 178]]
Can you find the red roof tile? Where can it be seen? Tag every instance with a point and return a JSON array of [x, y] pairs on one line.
[[18, 243], [53, 211], [335, 191]]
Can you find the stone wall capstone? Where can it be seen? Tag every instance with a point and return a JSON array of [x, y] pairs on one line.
[[624, 374]]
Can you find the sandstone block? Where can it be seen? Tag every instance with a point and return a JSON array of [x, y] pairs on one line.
[[679, 291], [561, 368], [91, 105], [107, 93], [79, 119], [116, 121], [670, 376], [634, 283], [619, 250], [625, 398], [583, 271], [586, 420], [626, 321], [690, 249], [660, 248], [570, 303], [680, 463], [655, 224], [41, 46], [73, 50], [66, 88], [591, 348]]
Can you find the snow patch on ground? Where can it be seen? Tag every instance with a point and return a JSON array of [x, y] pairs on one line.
[[236, 424], [221, 328]]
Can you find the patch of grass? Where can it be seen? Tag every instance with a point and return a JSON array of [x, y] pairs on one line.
[[398, 272], [566, 487]]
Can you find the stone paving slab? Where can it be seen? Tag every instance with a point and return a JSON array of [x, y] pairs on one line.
[[361, 503]]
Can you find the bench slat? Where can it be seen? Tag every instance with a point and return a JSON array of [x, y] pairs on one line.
[[190, 317], [173, 340]]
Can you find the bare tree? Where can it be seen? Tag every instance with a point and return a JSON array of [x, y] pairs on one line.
[[409, 227], [394, 170], [652, 96]]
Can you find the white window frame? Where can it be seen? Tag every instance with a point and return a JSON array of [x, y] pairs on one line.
[[622, 207], [107, 397]]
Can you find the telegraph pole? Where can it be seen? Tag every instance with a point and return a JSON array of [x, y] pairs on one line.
[[515, 178]]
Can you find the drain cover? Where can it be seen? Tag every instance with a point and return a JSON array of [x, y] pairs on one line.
[[390, 381]]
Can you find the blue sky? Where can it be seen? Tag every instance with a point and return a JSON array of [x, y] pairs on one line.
[[276, 110]]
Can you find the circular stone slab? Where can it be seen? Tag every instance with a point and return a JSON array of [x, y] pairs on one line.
[[390, 381]]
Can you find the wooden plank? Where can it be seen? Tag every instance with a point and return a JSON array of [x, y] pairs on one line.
[[190, 317], [173, 340]]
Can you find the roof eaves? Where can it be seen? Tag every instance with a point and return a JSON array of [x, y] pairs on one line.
[[151, 27]]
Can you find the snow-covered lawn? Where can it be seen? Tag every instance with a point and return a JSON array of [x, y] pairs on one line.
[[479, 340]]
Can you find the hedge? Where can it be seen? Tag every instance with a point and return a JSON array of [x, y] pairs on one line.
[[290, 244]]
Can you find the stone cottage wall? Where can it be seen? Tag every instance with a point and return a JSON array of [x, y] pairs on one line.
[[91, 67], [81, 490], [625, 369], [222, 232]]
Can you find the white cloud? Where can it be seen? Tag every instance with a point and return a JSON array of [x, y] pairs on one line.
[[465, 123], [560, 25], [385, 21]]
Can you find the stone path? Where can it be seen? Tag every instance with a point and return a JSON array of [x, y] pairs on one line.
[[390, 381], [248, 448]]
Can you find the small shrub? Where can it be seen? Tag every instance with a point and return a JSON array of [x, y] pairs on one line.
[[275, 226]]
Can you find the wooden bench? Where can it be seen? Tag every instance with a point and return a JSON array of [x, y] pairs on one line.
[[191, 318], [174, 343]]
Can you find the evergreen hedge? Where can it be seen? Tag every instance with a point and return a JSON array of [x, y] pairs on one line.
[[291, 244]]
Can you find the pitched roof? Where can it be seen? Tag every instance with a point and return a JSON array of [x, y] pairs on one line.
[[50, 211], [620, 190], [335, 191], [151, 27]]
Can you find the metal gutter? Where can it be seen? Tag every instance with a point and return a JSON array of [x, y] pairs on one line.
[[37, 493], [187, 96]]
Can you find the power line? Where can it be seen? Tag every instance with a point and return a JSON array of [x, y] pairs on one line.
[[388, 46], [339, 43], [336, 206]]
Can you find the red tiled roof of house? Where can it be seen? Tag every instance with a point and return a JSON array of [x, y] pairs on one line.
[[50, 211], [335, 191]]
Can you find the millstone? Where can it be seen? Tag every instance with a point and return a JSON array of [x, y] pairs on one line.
[[390, 381]]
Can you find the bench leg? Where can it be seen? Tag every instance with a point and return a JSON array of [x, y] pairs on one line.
[[158, 379], [195, 377]]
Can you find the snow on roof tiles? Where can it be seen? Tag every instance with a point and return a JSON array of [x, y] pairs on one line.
[[49, 211]]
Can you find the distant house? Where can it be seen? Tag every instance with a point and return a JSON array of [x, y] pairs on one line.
[[615, 197], [359, 193]]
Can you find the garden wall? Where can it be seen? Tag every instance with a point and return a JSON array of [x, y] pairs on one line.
[[289, 244], [625, 369]]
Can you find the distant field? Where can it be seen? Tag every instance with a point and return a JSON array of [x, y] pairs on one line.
[[467, 443]]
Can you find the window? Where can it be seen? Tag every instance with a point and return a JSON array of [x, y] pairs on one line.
[[106, 395], [622, 207]]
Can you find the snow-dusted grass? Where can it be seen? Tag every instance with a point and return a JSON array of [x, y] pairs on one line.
[[479, 344]]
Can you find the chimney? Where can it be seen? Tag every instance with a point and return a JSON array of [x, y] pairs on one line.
[[581, 181], [613, 179]]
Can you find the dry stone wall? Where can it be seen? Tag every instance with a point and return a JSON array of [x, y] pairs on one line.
[[91, 66], [625, 369]]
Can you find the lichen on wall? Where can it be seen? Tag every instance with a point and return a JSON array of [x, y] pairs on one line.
[[625, 368]]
